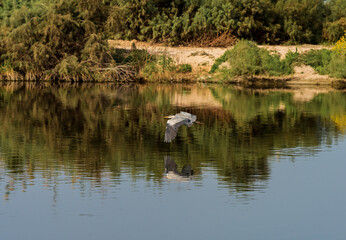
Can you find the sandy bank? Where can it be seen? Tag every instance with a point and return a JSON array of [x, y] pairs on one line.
[[201, 59]]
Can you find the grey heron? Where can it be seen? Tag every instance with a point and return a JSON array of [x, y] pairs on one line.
[[175, 121], [171, 167]]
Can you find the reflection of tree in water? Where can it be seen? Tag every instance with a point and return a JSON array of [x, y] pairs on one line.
[[88, 132], [263, 121]]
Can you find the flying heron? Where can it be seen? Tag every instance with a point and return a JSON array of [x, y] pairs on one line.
[[175, 121]]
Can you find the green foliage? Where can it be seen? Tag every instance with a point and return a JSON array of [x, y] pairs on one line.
[[36, 36], [332, 31], [55, 40], [327, 62], [318, 59], [176, 22], [335, 23], [70, 69], [247, 59], [219, 61], [263, 21], [337, 66], [136, 58], [292, 57], [184, 68], [160, 64], [302, 20]]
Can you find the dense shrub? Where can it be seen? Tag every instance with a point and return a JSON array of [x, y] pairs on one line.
[[184, 68], [318, 59], [335, 22], [337, 66], [332, 31], [157, 65], [247, 59], [55, 40], [219, 61], [263, 21], [190, 21], [329, 62], [302, 20]]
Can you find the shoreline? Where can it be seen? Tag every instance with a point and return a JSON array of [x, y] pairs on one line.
[[202, 58], [256, 82], [279, 86]]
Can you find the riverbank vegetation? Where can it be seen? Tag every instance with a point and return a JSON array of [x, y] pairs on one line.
[[263, 21], [149, 67], [67, 39], [248, 60], [57, 40]]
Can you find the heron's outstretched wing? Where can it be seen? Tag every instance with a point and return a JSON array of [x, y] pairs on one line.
[[174, 123], [187, 115], [172, 128]]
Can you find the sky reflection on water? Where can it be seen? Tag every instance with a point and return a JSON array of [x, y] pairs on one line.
[[89, 162]]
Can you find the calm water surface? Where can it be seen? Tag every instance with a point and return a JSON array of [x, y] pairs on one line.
[[87, 162]]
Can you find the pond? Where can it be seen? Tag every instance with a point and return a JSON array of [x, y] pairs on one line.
[[88, 162]]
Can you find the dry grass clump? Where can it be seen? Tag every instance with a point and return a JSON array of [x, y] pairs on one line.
[[225, 39]]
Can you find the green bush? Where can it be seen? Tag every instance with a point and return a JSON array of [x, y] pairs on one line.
[[273, 65], [184, 68], [247, 59], [337, 66], [42, 36], [186, 21], [159, 64], [292, 58], [327, 62], [219, 61], [137, 58], [332, 31], [318, 60], [55, 40]]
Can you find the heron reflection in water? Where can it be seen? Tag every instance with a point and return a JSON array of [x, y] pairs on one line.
[[175, 121], [172, 172]]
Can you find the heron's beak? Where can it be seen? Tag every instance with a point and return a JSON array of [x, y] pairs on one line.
[[168, 116], [198, 122]]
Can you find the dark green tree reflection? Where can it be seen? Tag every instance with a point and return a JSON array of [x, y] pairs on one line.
[[91, 133]]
